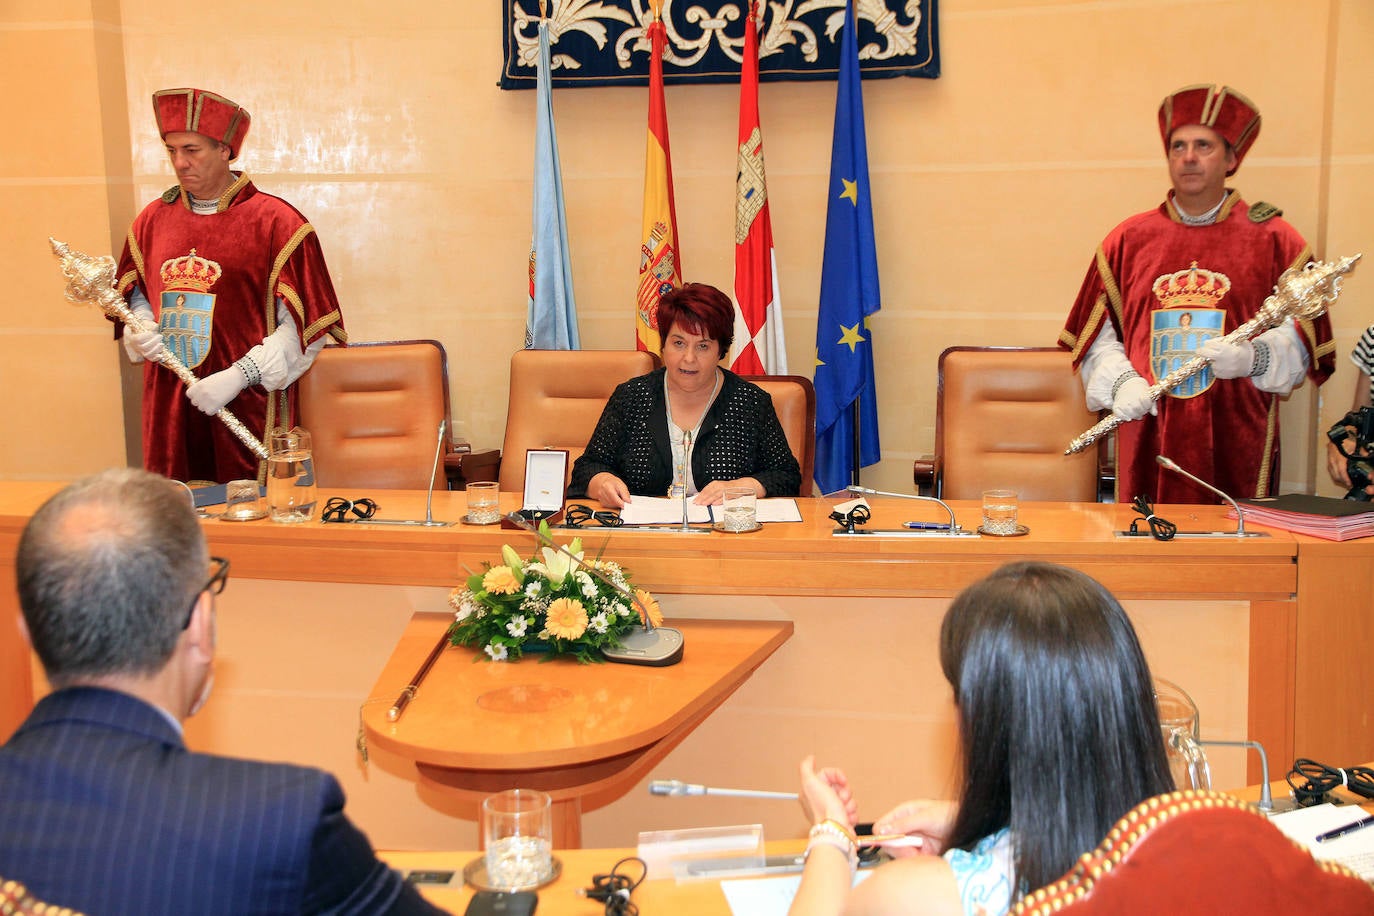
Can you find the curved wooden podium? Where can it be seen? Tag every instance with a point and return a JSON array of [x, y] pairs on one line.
[[579, 732]]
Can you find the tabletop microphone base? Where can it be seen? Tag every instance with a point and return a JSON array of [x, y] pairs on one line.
[[658, 648]]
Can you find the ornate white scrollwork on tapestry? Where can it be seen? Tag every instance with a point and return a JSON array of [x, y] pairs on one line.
[[601, 42]]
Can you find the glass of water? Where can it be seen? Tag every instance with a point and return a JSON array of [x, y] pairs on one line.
[[291, 492], [999, 512], [517, 830]]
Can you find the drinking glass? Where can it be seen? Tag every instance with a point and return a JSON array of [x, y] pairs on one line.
[[740, 509], [517, 831], [999, 511], [484, 503]]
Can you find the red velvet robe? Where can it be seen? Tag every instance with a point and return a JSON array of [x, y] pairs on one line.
[[266, 249], [1228, 434]]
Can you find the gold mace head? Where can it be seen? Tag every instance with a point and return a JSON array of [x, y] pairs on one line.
[[89, 279], [1306, 292]]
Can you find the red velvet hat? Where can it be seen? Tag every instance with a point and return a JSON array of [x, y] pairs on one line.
[[1223, 109], [203, 112]]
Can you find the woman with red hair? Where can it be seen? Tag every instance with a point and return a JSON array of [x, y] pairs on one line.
[[692, 427]]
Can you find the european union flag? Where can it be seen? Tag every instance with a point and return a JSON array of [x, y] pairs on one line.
[[849, 291]]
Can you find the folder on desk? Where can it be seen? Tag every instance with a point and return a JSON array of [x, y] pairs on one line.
[[1318, 516]]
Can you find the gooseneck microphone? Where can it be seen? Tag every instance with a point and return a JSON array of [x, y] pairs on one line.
[[1168, 464], [676, 787], [428, 521], [954, 528], [643, 645]]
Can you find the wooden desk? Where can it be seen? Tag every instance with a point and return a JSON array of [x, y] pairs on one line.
[[575, 731], [660, 897], [313, 612]]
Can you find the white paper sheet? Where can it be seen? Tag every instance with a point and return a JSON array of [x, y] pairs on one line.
[[1354, 850], [766, 896]]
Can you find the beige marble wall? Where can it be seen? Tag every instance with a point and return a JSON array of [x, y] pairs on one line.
[[383, 123]]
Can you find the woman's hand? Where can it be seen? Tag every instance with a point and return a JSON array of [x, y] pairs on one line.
[[825, 794], [713, 494], [925, 818], [609, 490]]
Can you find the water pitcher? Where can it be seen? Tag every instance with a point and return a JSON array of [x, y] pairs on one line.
[[290, 476], [1178, 722]]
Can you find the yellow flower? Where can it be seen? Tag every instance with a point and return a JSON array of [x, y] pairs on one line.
[[500, 580], [567, 619], [650, 606]]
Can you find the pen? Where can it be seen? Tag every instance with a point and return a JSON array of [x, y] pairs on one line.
[[926, 526], [1348, 828]]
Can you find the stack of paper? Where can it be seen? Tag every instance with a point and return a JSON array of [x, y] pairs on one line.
[[1319, 516], [1354, 850]]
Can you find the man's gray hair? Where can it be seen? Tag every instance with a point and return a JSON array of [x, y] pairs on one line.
[[108, 570]]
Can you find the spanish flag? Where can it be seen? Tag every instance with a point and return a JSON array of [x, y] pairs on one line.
[[660, 269], [759, 345]]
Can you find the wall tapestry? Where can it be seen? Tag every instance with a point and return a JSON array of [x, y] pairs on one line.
[[601, 42]]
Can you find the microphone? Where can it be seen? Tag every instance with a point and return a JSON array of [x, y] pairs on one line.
[[428, 521], [1168, 464], [954, 530], [642, 645], [677, 788]]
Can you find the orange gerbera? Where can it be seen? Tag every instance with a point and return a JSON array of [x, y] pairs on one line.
[[500, 580], [650, 606], [567, 619]]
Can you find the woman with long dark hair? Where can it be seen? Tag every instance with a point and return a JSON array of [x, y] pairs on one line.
[[1059, 736]]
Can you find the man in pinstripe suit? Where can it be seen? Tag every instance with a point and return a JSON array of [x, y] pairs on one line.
[[102, 807]]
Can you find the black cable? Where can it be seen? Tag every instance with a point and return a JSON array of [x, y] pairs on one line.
[[614, 889], [1311, 781], [1160, 529]]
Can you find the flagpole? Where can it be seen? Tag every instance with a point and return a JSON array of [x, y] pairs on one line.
[[856, 469]]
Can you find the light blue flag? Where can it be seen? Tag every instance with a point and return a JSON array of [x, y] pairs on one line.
[[551, 319], [849, 291]]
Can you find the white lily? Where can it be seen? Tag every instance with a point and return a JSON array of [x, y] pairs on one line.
[[559, 564]]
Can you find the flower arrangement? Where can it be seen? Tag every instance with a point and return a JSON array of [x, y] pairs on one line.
[[548, 603]]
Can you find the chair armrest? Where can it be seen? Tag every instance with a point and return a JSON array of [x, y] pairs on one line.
[[460, 467], [924, 472]]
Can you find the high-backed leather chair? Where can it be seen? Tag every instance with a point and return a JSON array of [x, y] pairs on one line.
[[373, 411], [794, 401], [1194, 853], [556, 397], [16, 673], [1003, 417]]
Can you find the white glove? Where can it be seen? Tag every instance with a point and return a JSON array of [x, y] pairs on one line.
[[1133, 401], [211, 393], [141, 345], [1229, 360]]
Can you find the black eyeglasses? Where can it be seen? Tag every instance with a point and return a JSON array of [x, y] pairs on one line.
[[337, 509], [218, 579], [579, 516]]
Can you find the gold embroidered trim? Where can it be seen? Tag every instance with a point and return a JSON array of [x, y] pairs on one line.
[[270, 295]]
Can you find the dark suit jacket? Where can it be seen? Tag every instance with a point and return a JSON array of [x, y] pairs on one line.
[[103, 809], [740, 436]]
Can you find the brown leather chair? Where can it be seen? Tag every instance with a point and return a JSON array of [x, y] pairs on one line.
[[1194, 853], [373, 412], [794, 401], [556, 397], [16, 674], [1003, 417]]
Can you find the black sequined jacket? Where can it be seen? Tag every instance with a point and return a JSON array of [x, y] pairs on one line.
[[740, 436]]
